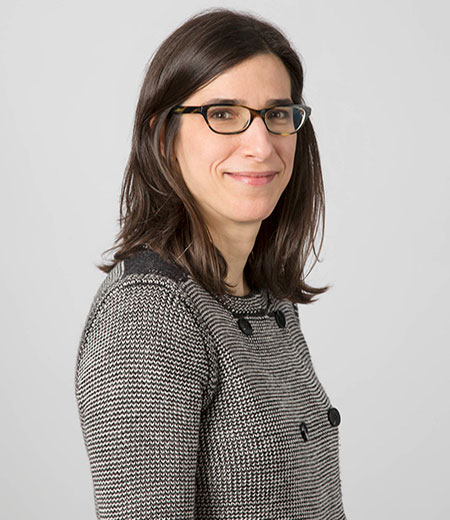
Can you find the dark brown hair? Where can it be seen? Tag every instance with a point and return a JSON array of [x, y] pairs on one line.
[[156, 208]]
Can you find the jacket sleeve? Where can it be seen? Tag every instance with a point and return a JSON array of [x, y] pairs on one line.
[[141, 377]]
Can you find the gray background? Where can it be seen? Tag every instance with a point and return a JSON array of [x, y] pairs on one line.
[[377, 79]]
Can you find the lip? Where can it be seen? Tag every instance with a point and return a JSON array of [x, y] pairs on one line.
[[253, 178]]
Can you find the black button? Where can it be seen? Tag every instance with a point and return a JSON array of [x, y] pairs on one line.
[[281, 320], [304, 431], [245, 326], [334, 416]]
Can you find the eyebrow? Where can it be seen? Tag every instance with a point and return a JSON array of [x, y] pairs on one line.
[[270, 102]]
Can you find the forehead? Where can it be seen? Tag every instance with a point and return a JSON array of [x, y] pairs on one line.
[[255, 81]]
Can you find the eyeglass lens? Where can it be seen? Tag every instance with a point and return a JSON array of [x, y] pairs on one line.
[[229, 119]]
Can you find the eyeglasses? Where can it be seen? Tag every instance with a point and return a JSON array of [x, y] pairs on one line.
[[228, 118]]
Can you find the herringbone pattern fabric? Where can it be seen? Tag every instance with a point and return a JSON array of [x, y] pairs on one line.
[[188, 412]]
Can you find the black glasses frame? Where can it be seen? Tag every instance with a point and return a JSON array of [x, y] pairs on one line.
[[203, 109]]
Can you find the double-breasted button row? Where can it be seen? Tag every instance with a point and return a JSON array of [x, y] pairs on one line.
[[281, 320], [333, 416], [304, 431], [247, 328]]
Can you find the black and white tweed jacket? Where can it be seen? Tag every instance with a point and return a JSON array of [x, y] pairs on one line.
[[196, 408]]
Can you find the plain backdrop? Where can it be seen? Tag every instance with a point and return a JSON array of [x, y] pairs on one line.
[[377, 79]]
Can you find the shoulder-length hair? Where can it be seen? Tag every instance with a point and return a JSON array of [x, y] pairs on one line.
[[156, 208]]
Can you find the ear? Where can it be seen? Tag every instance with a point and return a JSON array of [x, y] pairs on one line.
[[163, 133], [161, 140]]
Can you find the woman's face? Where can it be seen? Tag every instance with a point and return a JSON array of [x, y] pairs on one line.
[[210, 162]]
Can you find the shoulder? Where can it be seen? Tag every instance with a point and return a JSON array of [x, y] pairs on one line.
[[147, 261], [142, 312], [145, 296], [143, 276]]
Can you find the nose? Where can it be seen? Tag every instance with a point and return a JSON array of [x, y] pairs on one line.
[[257, 141]]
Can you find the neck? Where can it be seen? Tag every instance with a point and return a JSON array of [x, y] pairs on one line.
[[236, 249]]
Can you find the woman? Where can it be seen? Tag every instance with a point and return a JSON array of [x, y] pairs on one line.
[[195, 387]]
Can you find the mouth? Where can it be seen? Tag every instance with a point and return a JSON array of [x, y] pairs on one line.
[[253, 174], [253, 178]]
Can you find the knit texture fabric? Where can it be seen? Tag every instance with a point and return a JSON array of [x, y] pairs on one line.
[[192, 407]]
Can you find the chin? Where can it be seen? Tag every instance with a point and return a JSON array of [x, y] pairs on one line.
[[250, 216]]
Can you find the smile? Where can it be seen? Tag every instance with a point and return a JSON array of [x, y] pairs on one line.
[[253, 178]]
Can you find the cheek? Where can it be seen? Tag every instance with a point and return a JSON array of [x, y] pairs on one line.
[[187, 152], [287, 152], [199, 154], [292, 146]]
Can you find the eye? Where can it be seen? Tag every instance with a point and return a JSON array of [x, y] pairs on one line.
[[279, 114], [222, 113]]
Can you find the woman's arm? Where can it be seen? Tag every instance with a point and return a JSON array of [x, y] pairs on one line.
[[140, 382]]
